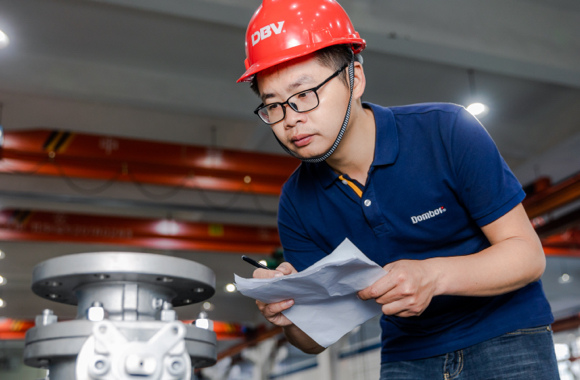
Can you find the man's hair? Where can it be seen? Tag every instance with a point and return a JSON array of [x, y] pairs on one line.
[[333, 57]]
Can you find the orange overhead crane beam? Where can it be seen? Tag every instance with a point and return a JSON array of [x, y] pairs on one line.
[[552, 197], [560, 237], [566, 243], [80, 155], [27, 225], [568, 239], [15, 329]]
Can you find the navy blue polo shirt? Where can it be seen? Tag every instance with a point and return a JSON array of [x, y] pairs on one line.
[[436, 179]]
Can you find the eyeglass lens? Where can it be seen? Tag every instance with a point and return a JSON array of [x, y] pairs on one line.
[[301, 102]]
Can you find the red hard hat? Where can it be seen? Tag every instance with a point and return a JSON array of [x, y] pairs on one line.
[[281, 30]]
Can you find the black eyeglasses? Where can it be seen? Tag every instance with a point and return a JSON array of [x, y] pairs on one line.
[[302, 101]]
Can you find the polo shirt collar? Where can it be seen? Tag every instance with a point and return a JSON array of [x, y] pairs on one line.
[[386, 145], [387, 138]]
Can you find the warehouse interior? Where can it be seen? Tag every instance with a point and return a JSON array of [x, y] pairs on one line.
[[123, 129]]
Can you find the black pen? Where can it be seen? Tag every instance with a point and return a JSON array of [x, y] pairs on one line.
[[254, 262]]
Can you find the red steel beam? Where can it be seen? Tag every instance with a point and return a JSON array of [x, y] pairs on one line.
[[553, 197], [547, 198], [566, 324], [559, 251], [80, 155], [30, 225], [15, 329], [568, 239]]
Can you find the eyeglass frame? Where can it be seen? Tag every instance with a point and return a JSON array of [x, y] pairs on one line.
[[313, 89]]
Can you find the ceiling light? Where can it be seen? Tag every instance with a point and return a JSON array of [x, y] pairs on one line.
[[2, 254], [2, 303], [477, 108], [4, 40], [230, 288], [565, 278], [2, 280], [167, 227]]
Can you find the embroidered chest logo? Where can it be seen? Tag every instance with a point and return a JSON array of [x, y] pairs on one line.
[[428, 215]]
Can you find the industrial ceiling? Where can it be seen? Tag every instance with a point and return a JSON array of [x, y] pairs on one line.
[[142, 82]]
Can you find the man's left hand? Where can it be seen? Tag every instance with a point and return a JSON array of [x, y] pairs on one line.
[[405, 291]]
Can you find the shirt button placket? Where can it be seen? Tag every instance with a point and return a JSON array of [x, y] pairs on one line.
[[371, 208]]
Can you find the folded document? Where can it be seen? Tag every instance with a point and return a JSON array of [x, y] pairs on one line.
[[326, 306]]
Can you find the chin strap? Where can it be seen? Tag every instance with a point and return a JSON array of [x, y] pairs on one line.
[[324, 156]]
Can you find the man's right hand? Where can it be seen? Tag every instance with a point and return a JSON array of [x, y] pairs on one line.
[[273, 311]]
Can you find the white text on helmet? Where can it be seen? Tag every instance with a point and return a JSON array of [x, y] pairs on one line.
[[266, 32]]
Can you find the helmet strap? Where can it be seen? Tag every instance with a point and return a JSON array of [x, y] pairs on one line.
[[324, 156]]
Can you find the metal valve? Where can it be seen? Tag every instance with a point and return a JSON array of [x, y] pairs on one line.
[[126, 327]]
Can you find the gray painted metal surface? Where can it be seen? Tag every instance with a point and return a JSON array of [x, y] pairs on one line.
[[125, 326]]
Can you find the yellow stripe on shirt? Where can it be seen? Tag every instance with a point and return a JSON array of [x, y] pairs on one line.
[[351, 185]]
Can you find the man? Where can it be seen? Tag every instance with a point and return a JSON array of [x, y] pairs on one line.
[[421, 190]]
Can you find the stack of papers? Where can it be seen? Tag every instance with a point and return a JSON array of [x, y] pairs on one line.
[[326, 306]]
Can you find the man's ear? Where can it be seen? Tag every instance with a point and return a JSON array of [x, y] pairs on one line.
[[359, 81]]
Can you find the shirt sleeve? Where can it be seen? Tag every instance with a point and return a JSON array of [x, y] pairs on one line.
[[484, 182]]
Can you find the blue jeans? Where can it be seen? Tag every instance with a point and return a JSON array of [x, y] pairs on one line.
[[526, 354]]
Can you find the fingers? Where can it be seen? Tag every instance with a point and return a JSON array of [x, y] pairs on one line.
[[396, 300], [286, 269], [266, 273], [283, 269], [403, 308], [405, 291], [379, 289], [273, 311]]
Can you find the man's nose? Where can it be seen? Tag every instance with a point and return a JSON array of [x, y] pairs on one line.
[[292, 117]]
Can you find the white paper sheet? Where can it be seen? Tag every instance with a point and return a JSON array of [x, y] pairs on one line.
[[325, 303]]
